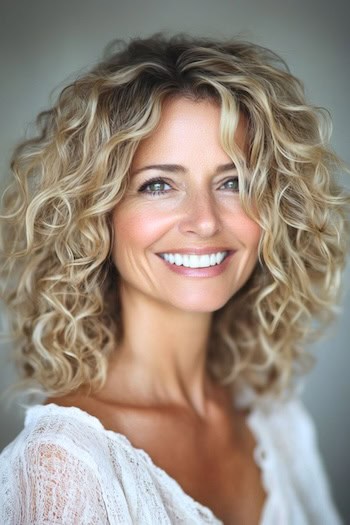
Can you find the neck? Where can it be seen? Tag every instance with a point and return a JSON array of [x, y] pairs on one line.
[[162, 358]]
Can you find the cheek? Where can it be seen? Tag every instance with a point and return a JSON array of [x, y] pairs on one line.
[[247, 231], [253, 233], [136, 229]]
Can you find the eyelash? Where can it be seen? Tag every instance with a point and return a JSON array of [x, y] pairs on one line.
[[148, 183]]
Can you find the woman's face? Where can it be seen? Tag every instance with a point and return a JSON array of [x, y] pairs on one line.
[[181, 236]]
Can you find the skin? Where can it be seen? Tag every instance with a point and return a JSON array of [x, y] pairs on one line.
[[198, 212], [157, 383]]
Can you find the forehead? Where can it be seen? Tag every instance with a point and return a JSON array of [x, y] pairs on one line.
[[188, 126]]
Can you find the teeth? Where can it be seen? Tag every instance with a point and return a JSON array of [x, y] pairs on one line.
[[194, 261], [178, 259]]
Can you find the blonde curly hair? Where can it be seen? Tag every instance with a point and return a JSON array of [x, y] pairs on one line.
[[60, 284]]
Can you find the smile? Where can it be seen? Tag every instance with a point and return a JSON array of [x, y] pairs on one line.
[[194, 261]]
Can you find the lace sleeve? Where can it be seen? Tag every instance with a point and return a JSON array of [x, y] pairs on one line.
[[309, 468], [48, 485]]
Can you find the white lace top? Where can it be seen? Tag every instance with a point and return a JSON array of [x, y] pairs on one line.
[[65, 468]]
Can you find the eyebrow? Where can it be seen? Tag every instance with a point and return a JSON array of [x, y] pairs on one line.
[[177, 168]]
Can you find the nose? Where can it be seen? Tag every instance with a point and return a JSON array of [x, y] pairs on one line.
[[201, 215]]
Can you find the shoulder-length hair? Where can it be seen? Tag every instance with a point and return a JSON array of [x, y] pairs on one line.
[[56, 236]]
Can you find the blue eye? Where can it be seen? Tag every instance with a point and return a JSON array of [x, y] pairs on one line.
[[232, 184], [155, 187]]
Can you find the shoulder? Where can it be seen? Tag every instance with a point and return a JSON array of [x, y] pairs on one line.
[[284, 413], [67, 427], [286, 425], [68, 432], [56, 469], [53, 436], [288, 450]]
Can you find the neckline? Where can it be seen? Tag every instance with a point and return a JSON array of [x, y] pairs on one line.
[[259, 455]]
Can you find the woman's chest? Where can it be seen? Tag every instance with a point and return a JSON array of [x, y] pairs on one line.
[[221, 477], [213, 465], [212, 461]]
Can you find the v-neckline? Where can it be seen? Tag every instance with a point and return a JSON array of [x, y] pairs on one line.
[[175, 485]]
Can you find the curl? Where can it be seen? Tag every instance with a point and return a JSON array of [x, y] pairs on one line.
[[59, 281]]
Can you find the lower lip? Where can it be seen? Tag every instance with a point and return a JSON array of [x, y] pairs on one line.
[[210, 271]]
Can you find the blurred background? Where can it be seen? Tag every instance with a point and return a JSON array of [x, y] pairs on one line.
[[45, 43]]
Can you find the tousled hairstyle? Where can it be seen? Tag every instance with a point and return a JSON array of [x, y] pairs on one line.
[[59, 282]]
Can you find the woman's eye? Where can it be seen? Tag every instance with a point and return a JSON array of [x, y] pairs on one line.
[[155, 187], [232, 184]]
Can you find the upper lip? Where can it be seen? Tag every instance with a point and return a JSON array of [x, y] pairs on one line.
[[197, 251]]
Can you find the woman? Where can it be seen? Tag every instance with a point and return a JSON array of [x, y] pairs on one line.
[[176, 231]]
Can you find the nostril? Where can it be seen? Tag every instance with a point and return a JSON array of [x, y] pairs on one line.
[[202, 219]]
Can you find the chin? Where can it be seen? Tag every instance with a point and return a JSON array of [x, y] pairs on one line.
[[201, 304]]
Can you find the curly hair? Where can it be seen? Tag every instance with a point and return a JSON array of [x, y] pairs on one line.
[[56, 230]]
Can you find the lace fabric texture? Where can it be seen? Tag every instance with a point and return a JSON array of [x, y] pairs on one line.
[[65, 468]]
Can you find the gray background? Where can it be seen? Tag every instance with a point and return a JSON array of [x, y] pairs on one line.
[[44, 42]]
